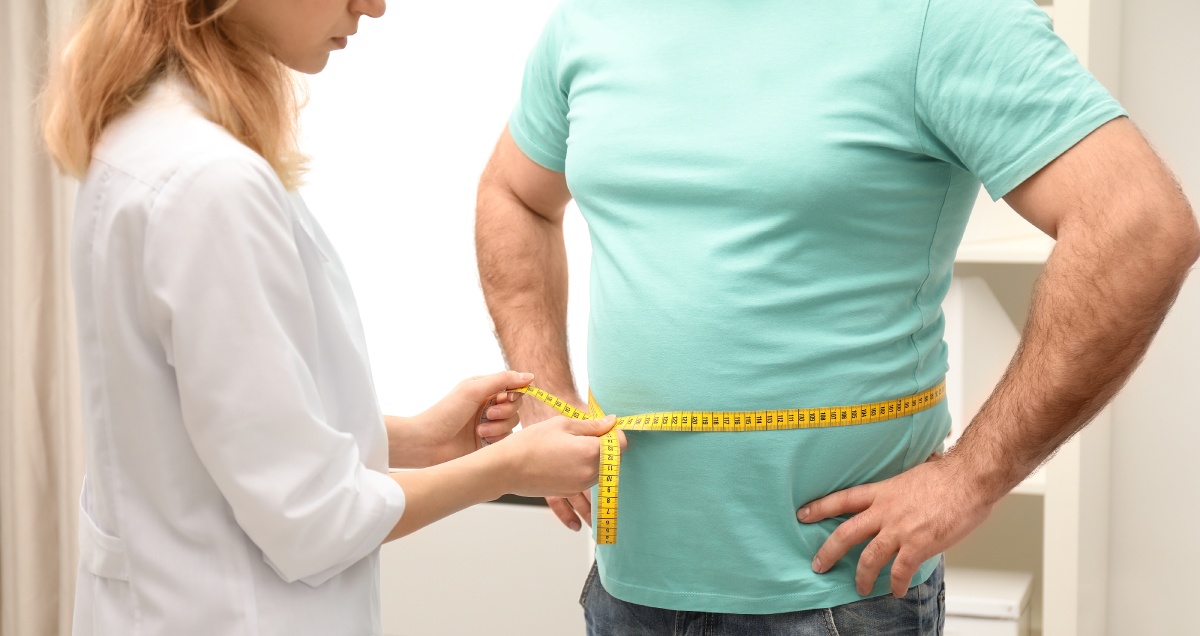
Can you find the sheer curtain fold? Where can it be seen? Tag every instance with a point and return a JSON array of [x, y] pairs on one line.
[[41, 462]]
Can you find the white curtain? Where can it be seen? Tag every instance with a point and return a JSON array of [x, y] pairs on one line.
[[40, 438]]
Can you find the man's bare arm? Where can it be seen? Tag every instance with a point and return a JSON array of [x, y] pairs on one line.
[[1126, 240], [523, 263], [523, 270]]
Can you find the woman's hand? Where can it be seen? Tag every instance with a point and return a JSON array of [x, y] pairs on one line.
[[478, 410], [559, 457], [575, 510]]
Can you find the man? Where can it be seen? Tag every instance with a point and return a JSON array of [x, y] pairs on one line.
[[775, 193]]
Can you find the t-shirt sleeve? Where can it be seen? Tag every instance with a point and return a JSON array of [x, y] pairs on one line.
[[999, 94], [538, 124]]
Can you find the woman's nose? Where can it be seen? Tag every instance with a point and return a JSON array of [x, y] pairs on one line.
[[369, 8]]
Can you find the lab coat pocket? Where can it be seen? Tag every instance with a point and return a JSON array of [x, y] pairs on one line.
[[104, 598], [99, 552]]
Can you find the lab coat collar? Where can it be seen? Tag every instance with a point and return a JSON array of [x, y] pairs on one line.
[[172, 89]]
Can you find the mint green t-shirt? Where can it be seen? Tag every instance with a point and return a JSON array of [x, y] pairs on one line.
[[775, 191]]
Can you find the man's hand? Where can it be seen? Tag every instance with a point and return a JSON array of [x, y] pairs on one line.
[[913, 517], [569, 510]]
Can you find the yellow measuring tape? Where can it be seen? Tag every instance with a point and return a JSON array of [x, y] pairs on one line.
[[718, 422]]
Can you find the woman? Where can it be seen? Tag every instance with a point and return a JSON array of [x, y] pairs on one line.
[[237, 459]]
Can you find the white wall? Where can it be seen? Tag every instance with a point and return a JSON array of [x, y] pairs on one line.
[[399, 126], [1156, 429]]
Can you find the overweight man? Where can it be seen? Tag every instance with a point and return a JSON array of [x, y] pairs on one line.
[[775, 192]]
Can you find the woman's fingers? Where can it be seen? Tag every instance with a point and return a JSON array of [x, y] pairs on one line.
[[502, 428], [560, 459], [492, 439], [590, 428], [486, 387], [499, 418], [515, 379], [509, 396], [499, 414], [500, 411]]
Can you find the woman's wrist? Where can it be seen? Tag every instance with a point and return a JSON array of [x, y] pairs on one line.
[[499, 468], [408, 445]]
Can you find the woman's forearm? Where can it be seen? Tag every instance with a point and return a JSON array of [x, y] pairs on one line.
[[439, 491]]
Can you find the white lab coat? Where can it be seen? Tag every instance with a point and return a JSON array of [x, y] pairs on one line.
[[236, 454]]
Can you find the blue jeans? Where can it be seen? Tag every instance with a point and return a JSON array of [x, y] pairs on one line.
[[922, 612]]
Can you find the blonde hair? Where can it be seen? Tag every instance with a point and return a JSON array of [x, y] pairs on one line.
[[121, 47]]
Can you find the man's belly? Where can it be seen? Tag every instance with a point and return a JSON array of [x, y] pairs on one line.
[[707, 521]]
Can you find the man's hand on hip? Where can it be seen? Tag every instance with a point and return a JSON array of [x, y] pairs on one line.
[[913, 517]]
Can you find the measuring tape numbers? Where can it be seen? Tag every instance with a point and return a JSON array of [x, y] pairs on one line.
[[718, 422]]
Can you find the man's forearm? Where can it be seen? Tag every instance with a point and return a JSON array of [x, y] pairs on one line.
[[523, 270], [1102, 296]]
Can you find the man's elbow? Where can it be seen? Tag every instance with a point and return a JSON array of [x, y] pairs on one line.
[[1193, 245], [1183, 236]]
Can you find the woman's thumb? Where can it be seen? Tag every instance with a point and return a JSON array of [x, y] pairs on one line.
[[594, 428], [485, 386]]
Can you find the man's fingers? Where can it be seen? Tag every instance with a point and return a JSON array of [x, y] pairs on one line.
[[621, 438], [583, 507], [876, 555], [852, 532], [842, 502], [903, 570], [562, 509]]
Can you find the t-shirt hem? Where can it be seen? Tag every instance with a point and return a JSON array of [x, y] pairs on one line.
[[543, 158], [1041, 155], [684, 601]]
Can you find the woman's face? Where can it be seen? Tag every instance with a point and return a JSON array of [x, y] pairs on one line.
[[302, 33]]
